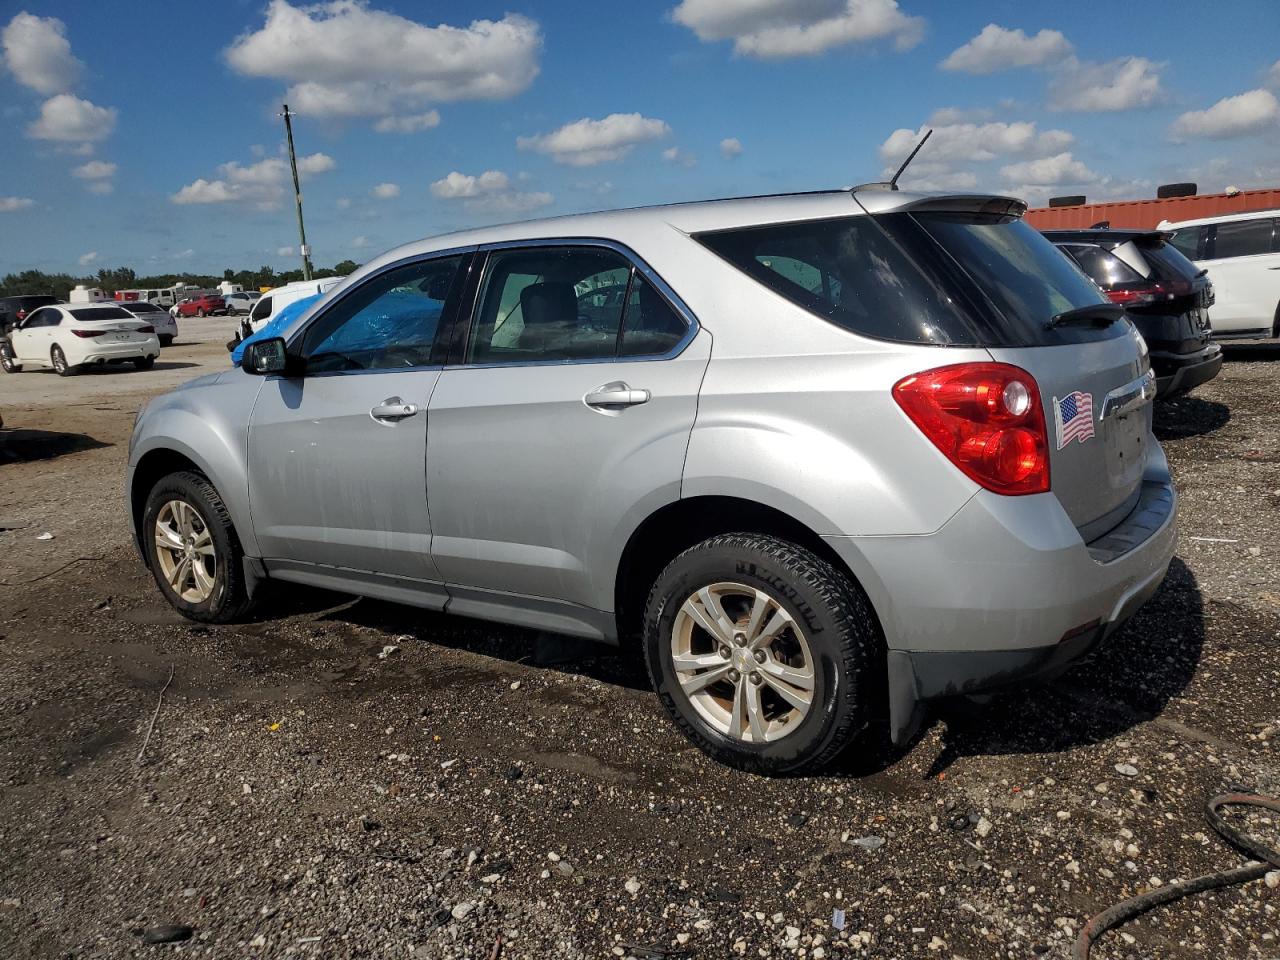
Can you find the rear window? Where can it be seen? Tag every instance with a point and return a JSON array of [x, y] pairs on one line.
[[1105, 269], [101, 313], [1168, 259], [944, 279]]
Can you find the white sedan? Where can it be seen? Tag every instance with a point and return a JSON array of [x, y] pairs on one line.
[[68, 336], [166, 325]]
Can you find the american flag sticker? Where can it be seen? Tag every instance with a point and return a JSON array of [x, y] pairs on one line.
[[1074, 415]]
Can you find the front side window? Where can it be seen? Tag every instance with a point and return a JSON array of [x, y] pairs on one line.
[[389, 322], [42, 318], [1243, 238], [549, 303]]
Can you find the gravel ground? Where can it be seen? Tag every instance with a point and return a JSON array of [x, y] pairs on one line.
[[346, 778]]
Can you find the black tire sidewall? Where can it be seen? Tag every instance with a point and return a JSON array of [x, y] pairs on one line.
[[838, 690], [227, 595]]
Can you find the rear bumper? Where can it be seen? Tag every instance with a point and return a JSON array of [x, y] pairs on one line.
[[1007, 590], [1176, 374], [121, 351]]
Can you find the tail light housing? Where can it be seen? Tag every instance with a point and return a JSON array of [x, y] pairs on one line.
[[148, 328], [1136, 296], [987, 419], [87, 334]]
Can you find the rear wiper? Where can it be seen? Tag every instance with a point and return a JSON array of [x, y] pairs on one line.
[[1098, 314]]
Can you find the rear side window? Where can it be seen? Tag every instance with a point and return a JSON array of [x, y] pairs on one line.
[[1243, 238], [851, 272]]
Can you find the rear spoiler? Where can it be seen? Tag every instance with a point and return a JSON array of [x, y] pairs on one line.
[[980, 203]]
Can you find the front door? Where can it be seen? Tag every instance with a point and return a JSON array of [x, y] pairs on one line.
[[337, 455], [566, 422], [33, 343]]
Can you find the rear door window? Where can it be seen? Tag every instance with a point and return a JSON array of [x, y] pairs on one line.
[[1243, 238]]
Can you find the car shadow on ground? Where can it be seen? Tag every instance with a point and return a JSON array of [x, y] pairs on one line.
[[1140, 668], [1188, 417], [1251, 353], [24, 445]]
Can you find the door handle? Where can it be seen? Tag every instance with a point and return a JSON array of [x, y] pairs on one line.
[[616, 394], [392, 409]]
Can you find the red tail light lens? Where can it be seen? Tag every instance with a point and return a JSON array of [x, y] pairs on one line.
[[1139, 295], [987, 419], [86, 334]]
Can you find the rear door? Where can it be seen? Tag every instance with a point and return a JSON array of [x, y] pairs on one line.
[[565, 420], [1094, 380], [336, 456], [1243, 259]]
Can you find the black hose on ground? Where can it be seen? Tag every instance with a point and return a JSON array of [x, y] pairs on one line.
[[1264, 859]]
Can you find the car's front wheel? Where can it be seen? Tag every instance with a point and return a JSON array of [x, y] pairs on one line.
[[8, 361], [193, 550], [763, 653], [60, 365]]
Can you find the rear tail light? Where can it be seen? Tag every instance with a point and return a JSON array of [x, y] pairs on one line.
[[987, 419], [1136, 296], [86, 334], [147, 329]]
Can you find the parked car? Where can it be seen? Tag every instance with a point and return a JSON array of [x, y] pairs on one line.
[[1242, 254], [831, 449], [241, 303], [69, 336], [166, 326], [13, 309], [1166, 296], [203, 305], [276, 299]]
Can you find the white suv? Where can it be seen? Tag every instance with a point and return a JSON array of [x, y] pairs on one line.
[[1242, 253]]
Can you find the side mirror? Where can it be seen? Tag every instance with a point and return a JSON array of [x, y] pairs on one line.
[[264, 357]]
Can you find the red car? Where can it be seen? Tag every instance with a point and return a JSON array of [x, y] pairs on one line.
[[205, 305]]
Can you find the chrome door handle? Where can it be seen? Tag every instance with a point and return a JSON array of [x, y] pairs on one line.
[[616, 394], [393, 409]]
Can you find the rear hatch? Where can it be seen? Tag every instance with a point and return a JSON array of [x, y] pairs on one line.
[[1092, 371]]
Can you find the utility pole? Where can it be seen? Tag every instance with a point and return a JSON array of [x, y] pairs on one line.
[[297, 196]]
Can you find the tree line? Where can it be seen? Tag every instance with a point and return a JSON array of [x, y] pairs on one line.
[[110, 280]]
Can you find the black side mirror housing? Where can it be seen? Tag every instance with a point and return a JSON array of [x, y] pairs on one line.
[[265, 357]]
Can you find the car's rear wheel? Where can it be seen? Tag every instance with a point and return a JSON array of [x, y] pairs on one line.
[[60, 365], [763, 653], [166, 339], [193, 550], [200, 312], [145, 363]]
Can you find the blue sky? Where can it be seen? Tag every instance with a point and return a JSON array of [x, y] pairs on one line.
[[146, 134]]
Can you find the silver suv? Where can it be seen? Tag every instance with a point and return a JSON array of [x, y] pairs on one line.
[[812, 452]]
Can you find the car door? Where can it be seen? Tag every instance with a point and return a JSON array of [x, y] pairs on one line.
[[556, 428], [336, 454], [32, 342], [1244, 265]]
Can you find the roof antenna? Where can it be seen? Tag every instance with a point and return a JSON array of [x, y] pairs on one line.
[[893, 182]]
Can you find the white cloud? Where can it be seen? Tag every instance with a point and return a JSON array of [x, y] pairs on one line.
[[489, 192], [263, 184], [947, 116], [586, 142], [409, 123], [95, 170], [12, 204], [343, 203], [286, 251], [88, 258], [1273, 75], [793, 28], [1049, 171], [385, 191], [66, 117], [730, 147], [1239, 116], [974, 142], [101, 187], [359, 243], [1104, 87], [681, 158], [36, 51], [996, 48], [344, 58]]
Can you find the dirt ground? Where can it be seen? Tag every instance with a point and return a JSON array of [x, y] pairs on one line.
[[346, 778]]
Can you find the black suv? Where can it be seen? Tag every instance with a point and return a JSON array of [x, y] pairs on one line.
[[13, 309], [1166, 297]]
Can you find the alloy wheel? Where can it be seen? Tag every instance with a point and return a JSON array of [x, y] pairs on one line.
[[59, 360], [743, 662], [185, 551]]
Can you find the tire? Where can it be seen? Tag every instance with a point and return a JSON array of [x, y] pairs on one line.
[[7, 361], [832, 640], [60, 365], [166, 339], [200, 313], [227, 597], [145, 363]]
